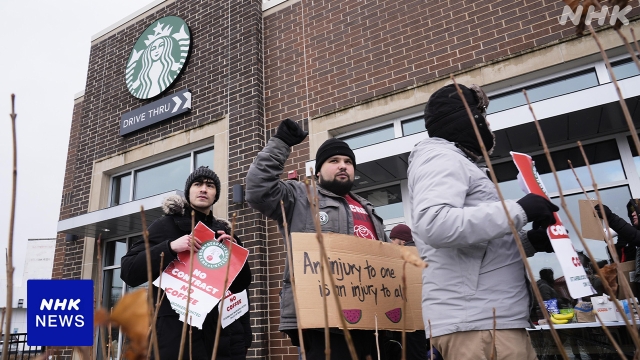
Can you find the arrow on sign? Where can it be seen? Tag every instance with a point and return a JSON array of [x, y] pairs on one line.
[[178, 101]]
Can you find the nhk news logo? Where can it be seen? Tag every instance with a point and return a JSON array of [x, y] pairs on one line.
[[60, 312]]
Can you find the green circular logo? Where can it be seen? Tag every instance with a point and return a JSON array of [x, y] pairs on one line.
[[158, 57], [213, 254]]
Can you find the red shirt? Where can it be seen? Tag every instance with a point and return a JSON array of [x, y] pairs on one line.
[[362, 224]]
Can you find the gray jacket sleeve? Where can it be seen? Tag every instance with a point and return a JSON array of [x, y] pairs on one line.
[[264, 187], [440, 182]]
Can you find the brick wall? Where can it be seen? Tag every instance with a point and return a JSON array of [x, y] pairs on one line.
[[358, 50], [246, 138], [222, 58]]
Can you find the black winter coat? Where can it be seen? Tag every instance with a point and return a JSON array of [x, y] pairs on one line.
[[237, 338], [170, 227]]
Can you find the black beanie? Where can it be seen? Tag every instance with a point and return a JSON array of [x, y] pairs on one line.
[[331, 148], [445, 117], [202, 172]]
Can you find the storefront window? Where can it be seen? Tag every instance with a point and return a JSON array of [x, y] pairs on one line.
[[157, 179], [387, 201], [370, 137], [121, 189], [603, 157], [542, 91], [204, 158], [624, 69], [608, 171], [413, 126]]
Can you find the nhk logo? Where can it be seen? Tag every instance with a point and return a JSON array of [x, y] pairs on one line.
[[61, 312], [55, 320]]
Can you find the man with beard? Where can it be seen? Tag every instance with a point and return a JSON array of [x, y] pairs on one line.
[[460, 228], [340, 210], [628, 234]]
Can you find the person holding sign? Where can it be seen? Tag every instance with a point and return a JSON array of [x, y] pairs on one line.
[[628, 233], [171, 235], [341, 211], [460, 228]]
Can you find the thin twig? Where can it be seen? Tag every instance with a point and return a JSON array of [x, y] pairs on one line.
[[224, 290], [4, 310], [632, 329], [516, 236], [634, 134], [430, 339], [190, 337], [635, 41], [145, 236], [493, 338], [327, 344], [622, 37], [158, 297], [183, 335], [102, 337], [12, 218], [605, 235], [377, 338], [292, 277], [608, 333], [323, 254], [597, 268], [158, 302], [404, 310], [623, 103], [562, 198], [110, 341]]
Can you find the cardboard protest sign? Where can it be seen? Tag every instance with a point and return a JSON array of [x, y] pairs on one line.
[[574, 273], [368, 282], [591, 225], [207, 279], [233, 307]]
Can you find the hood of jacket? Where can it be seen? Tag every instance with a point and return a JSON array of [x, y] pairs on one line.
[[176, 205]]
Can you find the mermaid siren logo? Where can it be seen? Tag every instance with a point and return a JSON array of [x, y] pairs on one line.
[[158, 57]]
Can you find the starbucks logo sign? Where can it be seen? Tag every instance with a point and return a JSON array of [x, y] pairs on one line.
[[158, 57], [213, 254]]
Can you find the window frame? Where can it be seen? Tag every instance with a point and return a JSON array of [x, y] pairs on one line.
[[132, 172]]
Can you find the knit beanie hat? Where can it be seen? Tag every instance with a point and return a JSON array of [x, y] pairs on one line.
[[402, 232], [202, 172], [446, 117], [331, 148]]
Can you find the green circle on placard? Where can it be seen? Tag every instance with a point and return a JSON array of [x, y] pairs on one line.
[[158, 57], [213, 254]]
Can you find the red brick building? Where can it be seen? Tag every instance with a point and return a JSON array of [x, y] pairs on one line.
[[359, 70]]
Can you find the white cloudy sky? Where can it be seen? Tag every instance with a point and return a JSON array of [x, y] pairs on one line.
[[44, 62]]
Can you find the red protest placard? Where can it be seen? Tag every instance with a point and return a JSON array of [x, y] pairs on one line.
[[574, 273], [207, 279]]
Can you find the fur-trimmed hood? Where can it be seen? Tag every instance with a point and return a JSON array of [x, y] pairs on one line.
[[176, 205]]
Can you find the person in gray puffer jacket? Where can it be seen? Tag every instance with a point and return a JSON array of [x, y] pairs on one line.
[[460, 228], [340, 210]]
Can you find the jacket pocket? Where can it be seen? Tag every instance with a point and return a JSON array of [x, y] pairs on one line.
[[470, 262]]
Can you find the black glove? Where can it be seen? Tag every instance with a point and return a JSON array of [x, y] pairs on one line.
[[607, 211], [538, 209], [539, 239], [289, 132]]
